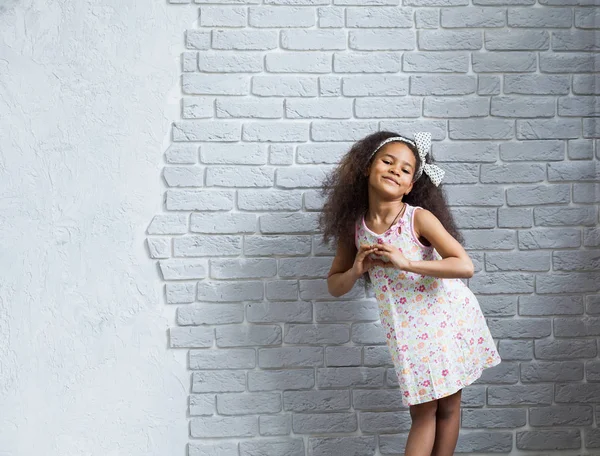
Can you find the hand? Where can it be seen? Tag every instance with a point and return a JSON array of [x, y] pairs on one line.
[[363, 261], [394, 255]]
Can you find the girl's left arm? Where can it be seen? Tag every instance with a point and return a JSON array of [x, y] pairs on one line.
[[455, 262]]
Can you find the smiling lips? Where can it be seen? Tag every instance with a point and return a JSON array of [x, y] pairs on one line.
[[393, 180]]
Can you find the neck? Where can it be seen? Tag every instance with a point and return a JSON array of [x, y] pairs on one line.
[[383, 211]]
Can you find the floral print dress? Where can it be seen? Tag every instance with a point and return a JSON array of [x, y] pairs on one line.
[[435, 330]]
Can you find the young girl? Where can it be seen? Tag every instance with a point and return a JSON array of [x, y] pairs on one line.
[[391, 223]]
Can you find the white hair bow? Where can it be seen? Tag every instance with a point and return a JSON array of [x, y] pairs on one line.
[[423, 144]]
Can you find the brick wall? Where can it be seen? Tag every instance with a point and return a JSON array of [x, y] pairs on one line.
[[272, 95]]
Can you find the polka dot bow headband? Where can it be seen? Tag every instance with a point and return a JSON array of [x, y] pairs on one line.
[[422, 143]]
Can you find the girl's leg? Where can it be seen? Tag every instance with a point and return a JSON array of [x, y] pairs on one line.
[[422, 431], [447, 425]]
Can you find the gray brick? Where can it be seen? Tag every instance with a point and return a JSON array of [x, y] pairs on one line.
[[189, 61], [539, 194], [220, 448], [343, 377], [313, 40], [258, 40], [338, 130], [588, 260], [565, 349], [218, 381], [372, 107], [440, 40], [221, 291], [503, 328], [241, 358], [230, 62], [283, 132], [267, 380], [504, 62], [443, 84], [481, 129], [523, 107], [267, 16], [318, 109], [502, 40], [184, 176], [270, 425], [377, 355], [284, 86], [536, 84], [449, 107], [515, 350], [183, 269], [281, 154], [580, 149], [513, 173], [290, 357], [503, 373], [248, 404], [298, 62], [591, 237], [437, 128], [182, 154], [430, 18], [586, 193], [549, 238], [550, 305], [368, 333], [232, 154], [213, 84], [330, 86], [474, 217], [321, 153], [520, 395], [500, 282], [277, 245], [197, 39], [575, 40], [384, 422], [287, 447], [473, 396], [392, 443], [202, 404], [233, 107], [374, 85], [242, 268], [326, 423], [484, 442], [317, 333], [343, 356], [168, 224], [498, 305], [573, 282], [568, 62], [313, 201], [465, 152], [210, 314], [469, 16], [382, 40], [180, 293], [485, 239], [274, 312], [374, 17], [586, 84], [348, 446], [559, 216], [551, 371], [218, 16], [591, 127], [488, 84], [579, 106], [577, 392], [289, 223], [436, 62], [575, 415], [269, 200], [199, 200], [549, 440], [376, 400], [222, 223], [191, 337], [517, 261], [592, 304], [316, 401], [494, 418], [244, 335], [577, 327], [197, 108], [223, 426], [592, 438], [592, 371], [540, 17], [474, 195], [331, 16], [366, 62], [586, 18], [515, 217], [532, 150]]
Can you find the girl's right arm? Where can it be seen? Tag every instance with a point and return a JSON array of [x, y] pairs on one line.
[[349, 264]]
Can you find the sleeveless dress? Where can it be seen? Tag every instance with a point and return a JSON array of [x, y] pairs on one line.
[[435, 330]]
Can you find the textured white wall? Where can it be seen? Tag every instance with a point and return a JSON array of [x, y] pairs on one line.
[[85, 90]]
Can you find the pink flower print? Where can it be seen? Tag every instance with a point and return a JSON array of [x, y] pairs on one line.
[[426, 383], [471, 341], [459, 336], [402, 300], [480, 340], [443, 324], [424, 336], [405, 393], [379, 241], [445, 372], [467, 300], [422, 288], [389, 336], [384, 288], [404, 348]]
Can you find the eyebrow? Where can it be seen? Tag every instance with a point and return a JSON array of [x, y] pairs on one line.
[[404, 162]]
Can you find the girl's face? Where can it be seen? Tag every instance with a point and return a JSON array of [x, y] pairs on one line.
[[392, 170]]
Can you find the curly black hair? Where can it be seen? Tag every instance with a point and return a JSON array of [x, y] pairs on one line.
[[345, 191]]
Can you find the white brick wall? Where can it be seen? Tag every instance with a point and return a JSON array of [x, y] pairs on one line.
[[273, 95]]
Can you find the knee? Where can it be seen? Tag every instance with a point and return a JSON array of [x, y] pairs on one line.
[[448, 407], [425, 411]]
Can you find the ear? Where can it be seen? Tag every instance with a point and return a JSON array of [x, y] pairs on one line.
[[409, 189]]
